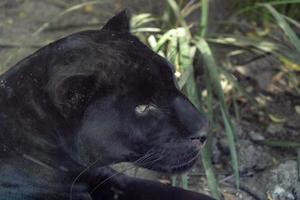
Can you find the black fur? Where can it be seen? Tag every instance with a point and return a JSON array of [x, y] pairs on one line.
[[88, 100]]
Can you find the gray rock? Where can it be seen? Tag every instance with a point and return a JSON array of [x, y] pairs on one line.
[[252, 156], [280, 193], [255, 136], [216, 153], [131, 170], [274, 128], [281, 182]]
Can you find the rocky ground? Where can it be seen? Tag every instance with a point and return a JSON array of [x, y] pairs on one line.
[[267, 171]]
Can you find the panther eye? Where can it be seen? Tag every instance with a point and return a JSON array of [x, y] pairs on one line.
[[144, 109]]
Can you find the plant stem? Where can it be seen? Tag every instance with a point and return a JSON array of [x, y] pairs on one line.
[[204, 17]]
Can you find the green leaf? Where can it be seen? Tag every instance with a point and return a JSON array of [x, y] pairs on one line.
[[179, 16], [258, 45], [141, 19], [284, 26], [185, 181], [281, 143], [173, 179], [186, 55], [209, 171]]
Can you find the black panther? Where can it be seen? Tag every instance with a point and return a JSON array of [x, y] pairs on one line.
[[86, 101]]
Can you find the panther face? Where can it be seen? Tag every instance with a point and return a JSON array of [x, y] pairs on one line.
[[123, 100]]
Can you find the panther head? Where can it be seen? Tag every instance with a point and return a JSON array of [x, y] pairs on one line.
[[123, 100]]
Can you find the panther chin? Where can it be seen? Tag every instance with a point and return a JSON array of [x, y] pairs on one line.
[[173, 157]]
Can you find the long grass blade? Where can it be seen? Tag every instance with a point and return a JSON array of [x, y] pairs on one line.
[[231, 139], [283, 2], [186, 55], [292, 21], [185, 181], [298, 164], [163, 39], [141, 19], [205, 154], [281, 143], [245, 9], [204, 17], [145, 29], [258, 46], [190, 9], [180, 18], [284, 26], [173, 4], [209, 171], [66, 11], [212, 68]]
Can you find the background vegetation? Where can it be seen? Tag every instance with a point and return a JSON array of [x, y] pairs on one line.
[[183, 42]]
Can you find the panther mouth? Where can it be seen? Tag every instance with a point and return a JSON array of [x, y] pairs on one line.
[[181, 167], [173, 160]]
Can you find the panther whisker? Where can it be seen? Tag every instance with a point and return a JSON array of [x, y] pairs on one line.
[[141, 159], [32, 159], [187, 162], [108, 178], [152, 161], [79, 175], [88, 167], [148, 155]]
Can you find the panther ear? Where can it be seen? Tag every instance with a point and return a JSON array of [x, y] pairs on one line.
[[73, 94], [119, 23]]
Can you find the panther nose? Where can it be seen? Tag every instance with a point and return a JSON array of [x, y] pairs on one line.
[[191, 120], [200, 137], [198, 141]]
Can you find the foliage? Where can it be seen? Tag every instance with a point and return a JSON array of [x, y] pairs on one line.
[[179, 44]]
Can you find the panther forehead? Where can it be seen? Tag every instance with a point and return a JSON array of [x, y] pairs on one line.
[[117, 56]]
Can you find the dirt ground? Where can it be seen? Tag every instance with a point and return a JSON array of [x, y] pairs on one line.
[[267, 171]]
